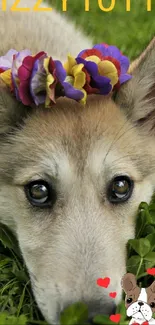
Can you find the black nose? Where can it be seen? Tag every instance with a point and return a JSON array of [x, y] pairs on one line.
[[140, 303]]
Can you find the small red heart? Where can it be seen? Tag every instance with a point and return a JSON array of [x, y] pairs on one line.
[[103, 282], [112, 294], [151, 271], [115, 318]]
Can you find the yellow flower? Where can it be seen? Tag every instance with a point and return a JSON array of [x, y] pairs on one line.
[[6, 77], [49, 81], [75, 76], [105, 68]]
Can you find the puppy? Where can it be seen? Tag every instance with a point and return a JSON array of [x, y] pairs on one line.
[[92, 167], [140, 302]]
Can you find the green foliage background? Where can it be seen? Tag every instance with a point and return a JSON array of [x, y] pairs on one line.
[[130, 31]]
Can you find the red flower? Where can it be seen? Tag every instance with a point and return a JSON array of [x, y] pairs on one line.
[[24, 74]]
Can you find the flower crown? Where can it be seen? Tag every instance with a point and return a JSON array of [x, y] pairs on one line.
[[38, 79]]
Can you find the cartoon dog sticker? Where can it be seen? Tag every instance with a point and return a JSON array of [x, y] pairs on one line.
[[139, 302]]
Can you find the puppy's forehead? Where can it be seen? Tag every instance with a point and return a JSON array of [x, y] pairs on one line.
[[81, 132], [78, 128], [79, 136]]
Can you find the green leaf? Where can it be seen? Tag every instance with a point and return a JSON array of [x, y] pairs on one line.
[[148, 229], [6, 238], [141, 246], [74, 315], [121, 309], [22, 320], [21, 275], [143, 206], [151, 238], [140, 223], [133, 264], [6, 319], [150, 257]]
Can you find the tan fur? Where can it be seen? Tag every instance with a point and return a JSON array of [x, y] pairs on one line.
[[129, 285], [79, 150]]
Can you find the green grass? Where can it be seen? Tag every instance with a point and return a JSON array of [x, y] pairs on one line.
[[130, 31]]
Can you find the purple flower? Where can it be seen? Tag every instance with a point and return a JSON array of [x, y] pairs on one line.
[[16, 64], [7, 59], [106, 66], [38, 81], [113, 52], [69, 90]]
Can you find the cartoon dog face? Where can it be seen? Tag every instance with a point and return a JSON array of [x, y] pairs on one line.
[[140, 303]]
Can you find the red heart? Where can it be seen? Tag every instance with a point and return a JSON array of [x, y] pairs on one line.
[[112, 294], [103, 282], [115, 318], [151, 271]]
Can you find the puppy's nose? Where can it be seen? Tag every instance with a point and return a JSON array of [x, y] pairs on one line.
[[140, 303]]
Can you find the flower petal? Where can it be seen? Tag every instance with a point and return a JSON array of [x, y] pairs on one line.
[[38, 81], [80, 80], [108, 69], [60, 71], [83, 100], [7, 59], [71, 92], [69, 64], [124, 78], [106, 89], [100, 81], [24, 93], [91, 67], [6, 77], [124, 61], [114, 52], [102, 48], [24, 73]]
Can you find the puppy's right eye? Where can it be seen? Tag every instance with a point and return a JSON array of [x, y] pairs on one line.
[[129, 300], [40, 194]]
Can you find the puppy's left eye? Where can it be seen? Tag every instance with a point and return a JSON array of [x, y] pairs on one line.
[[120, 189], [129, 300], [152, 304]]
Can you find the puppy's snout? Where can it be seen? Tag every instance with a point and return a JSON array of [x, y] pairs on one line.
[[140, 303]]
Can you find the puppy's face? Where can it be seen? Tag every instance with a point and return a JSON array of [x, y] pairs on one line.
[[140, 303], [71, 184], [71, 179]]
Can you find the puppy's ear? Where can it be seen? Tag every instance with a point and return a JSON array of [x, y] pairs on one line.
[[128, 282], [12, 112], [152, 287], [137, 97]]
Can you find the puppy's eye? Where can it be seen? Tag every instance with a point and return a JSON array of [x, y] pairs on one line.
[[129, 300], [120, 189], [40, 194], [152, 304]]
